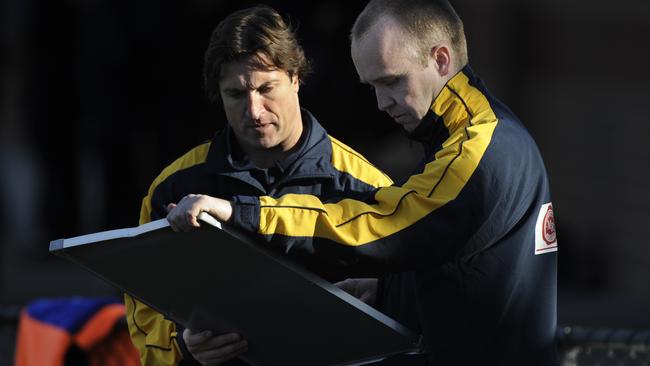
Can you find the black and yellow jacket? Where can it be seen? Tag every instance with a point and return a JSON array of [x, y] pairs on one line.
[[473, 227], [320, 166]]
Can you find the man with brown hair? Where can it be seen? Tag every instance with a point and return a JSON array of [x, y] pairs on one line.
[[469, 239], [254, 66]]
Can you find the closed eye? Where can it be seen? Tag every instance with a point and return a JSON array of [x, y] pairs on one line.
[[235, 93], [265, 89], [391, 81]]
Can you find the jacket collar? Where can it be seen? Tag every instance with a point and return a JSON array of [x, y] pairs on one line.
[[312, 158], [443, 117]]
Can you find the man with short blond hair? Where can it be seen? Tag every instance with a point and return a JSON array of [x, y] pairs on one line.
[[424, 24]]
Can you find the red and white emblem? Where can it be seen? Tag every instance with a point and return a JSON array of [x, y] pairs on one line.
[[545, 235]]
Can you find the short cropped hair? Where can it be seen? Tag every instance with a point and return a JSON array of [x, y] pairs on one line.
[[258, 35], [427, 22]]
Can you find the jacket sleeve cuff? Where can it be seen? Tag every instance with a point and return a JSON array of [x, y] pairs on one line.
[[188, 359], [246, 213]]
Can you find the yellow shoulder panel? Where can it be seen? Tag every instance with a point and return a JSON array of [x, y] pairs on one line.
[[191, 158], [345, 159]]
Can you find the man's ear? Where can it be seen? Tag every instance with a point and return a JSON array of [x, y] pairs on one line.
[[440, 56], [295, 82]]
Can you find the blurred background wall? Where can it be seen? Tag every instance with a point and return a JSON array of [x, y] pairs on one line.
[[97, 96]]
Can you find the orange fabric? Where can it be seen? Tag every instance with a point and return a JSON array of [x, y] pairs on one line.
[[99, 326], [43, 344], [39, 343], [117, 350]]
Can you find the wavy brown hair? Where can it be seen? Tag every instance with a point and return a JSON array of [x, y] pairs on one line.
[[259, 36]]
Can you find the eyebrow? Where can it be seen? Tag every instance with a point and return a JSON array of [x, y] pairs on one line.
[[380, 79], [247, 86]]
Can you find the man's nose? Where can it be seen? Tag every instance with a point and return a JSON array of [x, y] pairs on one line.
[[384, 101], [254, 107]]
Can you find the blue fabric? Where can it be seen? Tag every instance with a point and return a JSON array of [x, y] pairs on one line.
[[69, 314]]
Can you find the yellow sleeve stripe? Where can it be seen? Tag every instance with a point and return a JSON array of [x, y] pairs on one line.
[[195, 156], [356, 223], [345, 159]]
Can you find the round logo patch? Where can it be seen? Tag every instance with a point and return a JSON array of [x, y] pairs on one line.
[[548, 227]]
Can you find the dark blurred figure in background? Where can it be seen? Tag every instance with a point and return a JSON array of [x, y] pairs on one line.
[[471, 231], [254, 66]]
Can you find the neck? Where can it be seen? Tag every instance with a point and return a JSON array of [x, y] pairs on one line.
[[445, 79], [266, 158]]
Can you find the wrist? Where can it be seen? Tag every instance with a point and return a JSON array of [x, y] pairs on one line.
[[228, 208], [221, 209]]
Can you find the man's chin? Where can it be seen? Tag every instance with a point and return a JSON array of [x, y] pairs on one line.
[[410, 126], [265, 144], [407, 123]]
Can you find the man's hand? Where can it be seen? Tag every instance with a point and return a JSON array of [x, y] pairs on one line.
[[364, 289], [212, 350], [184, 215]]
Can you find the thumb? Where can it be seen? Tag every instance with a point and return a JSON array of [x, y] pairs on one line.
[[345, 285], [170, 206]]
